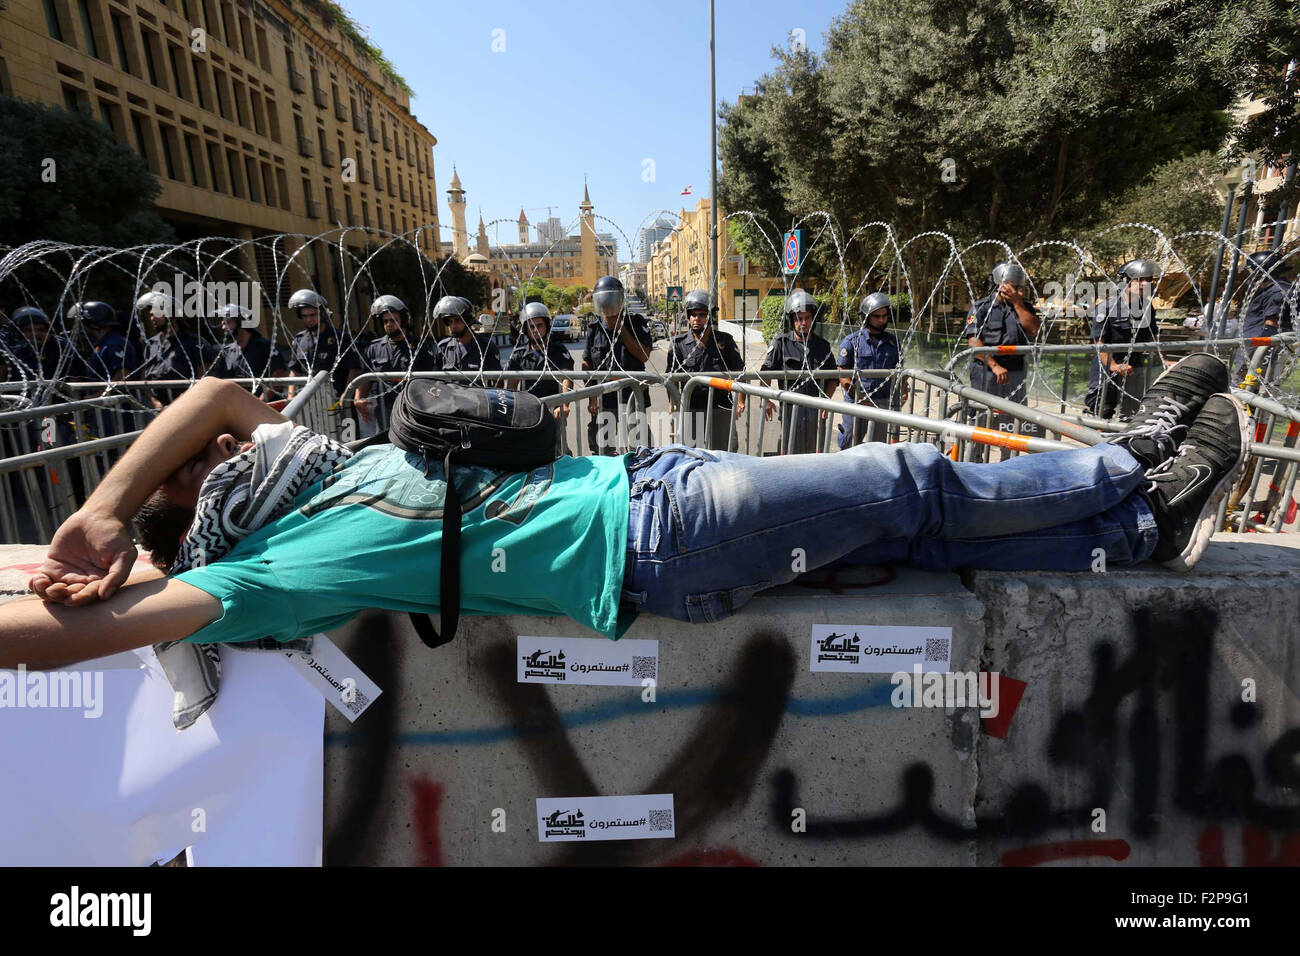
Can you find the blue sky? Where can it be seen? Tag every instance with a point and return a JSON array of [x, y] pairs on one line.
[[581, 87]]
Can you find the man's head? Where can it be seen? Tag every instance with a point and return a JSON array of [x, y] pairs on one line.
[[153, 309], [309, 305], [33, 323], [537, 323], [799, 308], [698, 306], [607, 298], [874, 311], [392, 312], [166, 515], [455, 311]]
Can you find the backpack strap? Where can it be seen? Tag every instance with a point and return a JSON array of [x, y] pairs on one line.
[[448, 571]]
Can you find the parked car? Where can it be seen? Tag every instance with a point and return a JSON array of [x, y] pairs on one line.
[[567, 327]]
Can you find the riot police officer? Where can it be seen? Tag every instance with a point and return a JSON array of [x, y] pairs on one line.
[[797, 348], [393, 352], [1272, 308], [463, 350], [1003, 317], [50, 354], [1118, 373], [538, 352], [111, 356], [701, 349], [870, 347], [316, 348], [171, 352], [616, 342], [249, 353]]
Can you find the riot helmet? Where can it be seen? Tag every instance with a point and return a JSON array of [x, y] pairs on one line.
[[607, 297]]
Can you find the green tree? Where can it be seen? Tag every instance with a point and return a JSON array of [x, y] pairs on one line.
[[992, 117], [64, 177]]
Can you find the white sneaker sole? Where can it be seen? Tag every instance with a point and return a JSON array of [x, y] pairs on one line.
[[1203, 530]]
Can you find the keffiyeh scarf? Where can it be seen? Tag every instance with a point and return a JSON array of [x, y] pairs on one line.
[[238, 497]]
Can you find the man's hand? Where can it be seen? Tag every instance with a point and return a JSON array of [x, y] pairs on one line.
[[90, 557], [999, 373], [1010, 294], [592, 407], [561, 412], [363, 408], [1123, 371], [769, 407]]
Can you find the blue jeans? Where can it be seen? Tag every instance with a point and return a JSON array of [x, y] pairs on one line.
[[707, 530]]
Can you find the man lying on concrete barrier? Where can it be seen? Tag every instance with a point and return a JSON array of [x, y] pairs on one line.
[[676, 531]]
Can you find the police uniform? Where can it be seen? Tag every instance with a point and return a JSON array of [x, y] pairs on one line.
[[318, 350], [789, 354], [994, 322], [1275, 302], [175, 355], [478, 355], [111, 354], [1114, 327], [526, 358], [604, 350], [719, 354], [385, 355], [861, 350], [259, 358]]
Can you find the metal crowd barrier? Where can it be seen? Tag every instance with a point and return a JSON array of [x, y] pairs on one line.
[[53, 459], [46, 483]]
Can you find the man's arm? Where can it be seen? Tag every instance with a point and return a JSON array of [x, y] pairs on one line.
[[40, 634], [92, 552], [640, 351]]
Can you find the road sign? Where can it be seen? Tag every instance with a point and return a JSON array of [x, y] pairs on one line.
[[792, 252], [674, 293]]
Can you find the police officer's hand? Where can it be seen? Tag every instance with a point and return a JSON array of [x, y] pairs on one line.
[[769, 407], [364, 410], [561, 412], [740, 404], [1009, 294], [592, 406], [999, 373], [1122, 370]]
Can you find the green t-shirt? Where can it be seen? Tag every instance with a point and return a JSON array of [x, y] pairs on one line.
[[549, 541]]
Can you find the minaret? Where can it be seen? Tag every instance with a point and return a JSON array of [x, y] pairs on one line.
[[588, 232], [523, 227], [459, 234], [483, 249]]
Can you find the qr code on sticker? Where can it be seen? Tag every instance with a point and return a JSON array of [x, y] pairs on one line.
[[660, 819], [936, 649], [358, 702], [643, 667]]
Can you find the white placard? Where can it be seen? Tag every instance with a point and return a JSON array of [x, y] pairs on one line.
[[342, 683], [586, 660], [644, 816], [879, 648]]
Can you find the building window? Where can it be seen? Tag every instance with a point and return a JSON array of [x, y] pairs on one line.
[[71, 99], [282, 181], [172, 53], [138, 124], [150, 67], [214, 163], [200, 84], [191, 155], [250, 172], [236, 183], [86, 28], [119, 37], [52, 21], [268, 184], [219, 85], [168, 160]]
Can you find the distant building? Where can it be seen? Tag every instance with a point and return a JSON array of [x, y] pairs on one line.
[[567, 261], [649, 235], [285, 125], [549, 230]]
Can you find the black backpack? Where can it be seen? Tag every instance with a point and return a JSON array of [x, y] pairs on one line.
[[493, 427]]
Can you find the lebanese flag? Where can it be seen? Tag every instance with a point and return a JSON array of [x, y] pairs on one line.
[[686, 191]]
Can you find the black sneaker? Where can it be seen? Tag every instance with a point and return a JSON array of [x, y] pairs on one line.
[[1170, 405], [1185, 490]]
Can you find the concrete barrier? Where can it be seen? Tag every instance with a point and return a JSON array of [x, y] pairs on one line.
[[1168, 702]]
